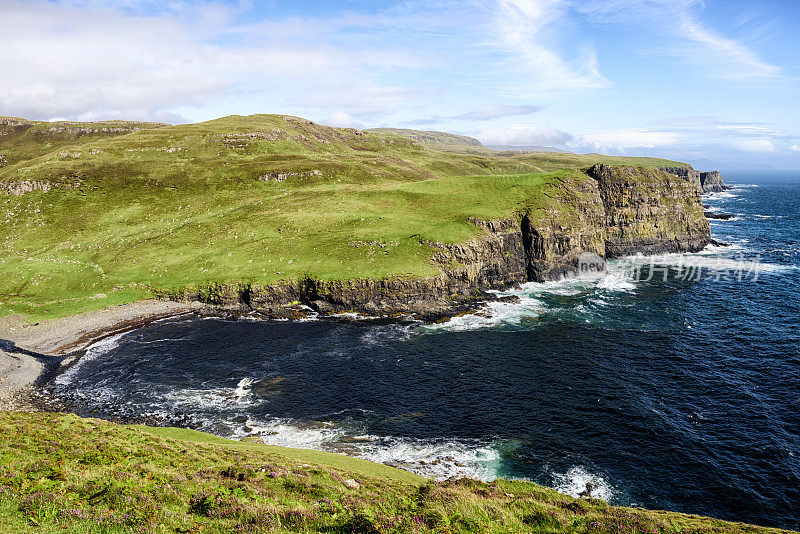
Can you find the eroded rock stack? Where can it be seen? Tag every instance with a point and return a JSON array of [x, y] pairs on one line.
[[706, 182]]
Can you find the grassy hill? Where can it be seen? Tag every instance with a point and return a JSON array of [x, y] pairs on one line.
[[62, 473], [21, 139], [433, 139], [91, 218]]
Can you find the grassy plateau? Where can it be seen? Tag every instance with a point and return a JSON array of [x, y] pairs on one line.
[[118, 210]]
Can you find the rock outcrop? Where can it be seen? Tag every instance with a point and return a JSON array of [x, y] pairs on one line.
[[687, 173], [706, 182], [609, 211], [712, 182]]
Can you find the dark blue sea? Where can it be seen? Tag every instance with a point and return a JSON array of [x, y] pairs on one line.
[[671, 383]]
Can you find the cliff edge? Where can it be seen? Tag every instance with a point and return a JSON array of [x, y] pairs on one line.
[[609, 210]]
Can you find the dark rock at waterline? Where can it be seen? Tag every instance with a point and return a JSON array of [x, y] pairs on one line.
[[720, 216], [719, 243], [509, 299]]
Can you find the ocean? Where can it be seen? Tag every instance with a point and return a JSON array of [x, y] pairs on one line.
[[670, 382]]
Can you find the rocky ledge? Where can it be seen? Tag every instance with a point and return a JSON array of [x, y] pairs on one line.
[[608, 211]]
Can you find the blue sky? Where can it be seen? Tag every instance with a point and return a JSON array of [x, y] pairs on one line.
[[715, 83]]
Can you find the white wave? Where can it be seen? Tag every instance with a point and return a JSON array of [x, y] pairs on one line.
[[759, 216], [104, 346], [574, 481], [707, 261], [380, 335], [616, 280], [352, 316], [493, 314], [243, 388], [286, 433], [213, 398], [724, 195], [437, 459], [531, 300]]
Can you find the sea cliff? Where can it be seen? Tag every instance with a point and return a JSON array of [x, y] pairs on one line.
[[608, 210]]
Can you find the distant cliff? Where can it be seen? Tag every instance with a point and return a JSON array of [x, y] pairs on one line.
[[706, 182], [610, 211]]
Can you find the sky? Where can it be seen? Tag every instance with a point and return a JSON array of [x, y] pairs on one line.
[[715, 83]]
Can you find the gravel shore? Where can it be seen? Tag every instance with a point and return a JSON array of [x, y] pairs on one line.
[[24, 347]]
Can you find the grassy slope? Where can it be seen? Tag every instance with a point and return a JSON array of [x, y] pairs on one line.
[[172, 206], [21, 139], [63, 473]]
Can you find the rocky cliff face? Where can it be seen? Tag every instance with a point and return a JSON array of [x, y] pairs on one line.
[[689, 174], [609, 211], [706, 182], [649, 212], [712, 182]]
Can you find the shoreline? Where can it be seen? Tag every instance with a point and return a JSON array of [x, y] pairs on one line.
[[27, 349]]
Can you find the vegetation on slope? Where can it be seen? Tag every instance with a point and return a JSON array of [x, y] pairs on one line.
[[21, 139], [61, 473], [253, 199]]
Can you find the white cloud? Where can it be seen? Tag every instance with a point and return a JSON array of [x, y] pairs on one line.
[[754, 145], [795, 148], [622, 140], [519, 25], [522, 136], [340, 119], [495, 112], [682, 34], [100, 62]]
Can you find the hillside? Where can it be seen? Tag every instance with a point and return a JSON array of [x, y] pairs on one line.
[[21, 139], [264, 199], [62, 473], [434, 139]]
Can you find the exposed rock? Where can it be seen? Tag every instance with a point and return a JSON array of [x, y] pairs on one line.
[[712, 182], [281, 176], [706, 182], [611, 212], [687, 173], [721, 216], [14, 123], [649, 212], [26, 186], [352, 484]]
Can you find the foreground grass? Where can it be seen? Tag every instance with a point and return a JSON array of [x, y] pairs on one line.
[[254, 199], [61, 473]]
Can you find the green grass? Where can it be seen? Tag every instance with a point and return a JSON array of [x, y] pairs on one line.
[[170, 207], [62, 473]]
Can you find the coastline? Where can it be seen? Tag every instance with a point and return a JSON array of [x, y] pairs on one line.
[[26, 348]]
